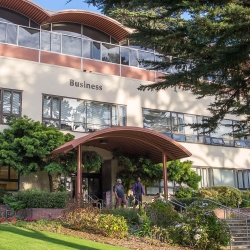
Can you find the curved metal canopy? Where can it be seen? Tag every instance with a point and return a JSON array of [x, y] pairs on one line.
[[41, 16], [130, 140]]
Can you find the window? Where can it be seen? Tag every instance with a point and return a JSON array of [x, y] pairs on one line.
[[158, 188], [224, 177], [9, 179], [178, 126], [10, 101], [243, 179], [81, 115]]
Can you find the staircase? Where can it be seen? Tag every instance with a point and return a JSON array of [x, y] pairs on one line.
[[240, 232]]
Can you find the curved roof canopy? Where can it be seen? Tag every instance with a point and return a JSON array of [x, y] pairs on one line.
[[27, 8], [40, 16], [100, 22], [130, 140]]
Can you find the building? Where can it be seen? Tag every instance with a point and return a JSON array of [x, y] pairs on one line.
[[75, 70]]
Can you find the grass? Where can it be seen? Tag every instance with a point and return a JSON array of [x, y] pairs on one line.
[[12, 237]]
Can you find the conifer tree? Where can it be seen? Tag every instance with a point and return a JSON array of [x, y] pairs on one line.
[[205, 46]]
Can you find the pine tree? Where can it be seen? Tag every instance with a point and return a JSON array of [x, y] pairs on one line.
[[204, 44]]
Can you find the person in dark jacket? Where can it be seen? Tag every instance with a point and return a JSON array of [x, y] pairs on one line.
[[138, 191]]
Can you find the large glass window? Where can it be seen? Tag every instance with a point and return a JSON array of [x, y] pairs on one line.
[[81, 115], [224, 177], [178, 126], [8, 178], [71, 46], [72, 29], [29, 37], [110, 53]]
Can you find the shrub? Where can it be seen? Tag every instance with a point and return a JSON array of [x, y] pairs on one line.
[[188, 201], [161, 213], [184, 192], [91, 220], [3, 219], [12, 220], [200, 229], [245, 195], [130, 215], [37, 199], [228, 196]]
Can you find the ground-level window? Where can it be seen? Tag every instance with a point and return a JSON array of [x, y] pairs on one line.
[[81, 115], [206, 176], [243, 178], [158, 188], [9, 179], [224, 177], [10, 103]]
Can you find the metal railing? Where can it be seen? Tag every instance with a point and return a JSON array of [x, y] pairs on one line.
[[94, 200]]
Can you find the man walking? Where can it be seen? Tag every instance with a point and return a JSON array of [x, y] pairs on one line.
[[119, 194], [138, 191]]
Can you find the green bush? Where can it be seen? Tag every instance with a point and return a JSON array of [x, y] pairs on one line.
[[185, 192], [245, 195], [130, 215], [188, 201], [91, 220], [161, 213], [38, 199], [228, 196], [200, 229]]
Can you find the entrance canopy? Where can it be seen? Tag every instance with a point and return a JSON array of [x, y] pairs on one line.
[[131, 140]]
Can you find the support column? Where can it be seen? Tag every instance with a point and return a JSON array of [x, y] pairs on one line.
[[165, 176], [79, 173]]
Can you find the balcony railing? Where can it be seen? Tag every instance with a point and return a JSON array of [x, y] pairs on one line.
[[74, 46]]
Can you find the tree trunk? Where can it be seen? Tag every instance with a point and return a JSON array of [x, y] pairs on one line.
[[50, 183]]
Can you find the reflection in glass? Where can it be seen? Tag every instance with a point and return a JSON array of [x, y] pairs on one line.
[[110, 53], [55, 108], [51, 123], [73, 29], [143, 55], [156, 120], [73, 114], [92, 33], [96, 51], [6, 102], [86, 48], [16, 103], [9, 185], [71, 46], [114, 115], [3, 27], [191, 138], [124, 56], [56, 43], [190, 119], [98, 116], [133, 58], [122, 115], [11, 34], [223, 177], [45, 40], [179, 137], [245, 176], [47, 106], [223, 129], [29, 37]]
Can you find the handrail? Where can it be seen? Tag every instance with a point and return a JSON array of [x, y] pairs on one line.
[[181, 206], [176, 200], [92, 199]]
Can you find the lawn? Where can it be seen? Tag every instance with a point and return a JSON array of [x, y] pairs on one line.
[[12, 237]]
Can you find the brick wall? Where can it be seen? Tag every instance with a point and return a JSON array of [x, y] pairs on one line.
[[40, 213]]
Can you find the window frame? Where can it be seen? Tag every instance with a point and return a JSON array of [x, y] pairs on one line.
[[2, 114], [8, 179], [86, 101]]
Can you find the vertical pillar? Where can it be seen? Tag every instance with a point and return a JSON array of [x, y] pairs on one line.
[[79, 172], [165, 177]]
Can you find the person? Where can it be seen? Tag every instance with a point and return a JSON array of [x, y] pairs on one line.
[[138, 191], [119, 194]]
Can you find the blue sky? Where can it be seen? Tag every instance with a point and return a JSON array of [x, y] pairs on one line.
[[61, 5]]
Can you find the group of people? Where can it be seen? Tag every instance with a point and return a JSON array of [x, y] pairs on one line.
[[120, 196]]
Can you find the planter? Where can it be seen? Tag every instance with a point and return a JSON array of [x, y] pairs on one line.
[[40, 213]]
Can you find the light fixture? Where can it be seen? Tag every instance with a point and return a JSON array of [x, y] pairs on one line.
[[103, 141]]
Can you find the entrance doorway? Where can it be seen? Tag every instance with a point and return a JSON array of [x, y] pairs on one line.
[[92, 185]]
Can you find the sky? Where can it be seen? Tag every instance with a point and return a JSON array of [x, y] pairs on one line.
[[57, 5]]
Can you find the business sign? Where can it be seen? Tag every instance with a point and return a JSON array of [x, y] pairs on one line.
[[84, 85]]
